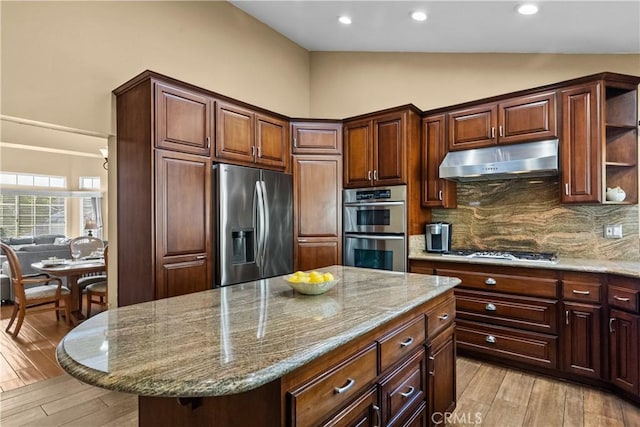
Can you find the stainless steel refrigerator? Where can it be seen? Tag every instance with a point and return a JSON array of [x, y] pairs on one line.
[[253, 224]]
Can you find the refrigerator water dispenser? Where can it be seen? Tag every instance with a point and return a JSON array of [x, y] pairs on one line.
[[242, 246]]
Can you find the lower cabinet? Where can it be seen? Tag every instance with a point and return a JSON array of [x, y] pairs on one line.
[[398, 377], [623, 345], [316, 252], [582, 340]]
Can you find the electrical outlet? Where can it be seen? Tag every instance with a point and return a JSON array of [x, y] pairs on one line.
[[613, 231]]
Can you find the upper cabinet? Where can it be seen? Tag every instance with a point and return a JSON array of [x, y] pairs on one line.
[[183, 120], [320, 137], [375, 148], [519, 119], [251, 138], [436, 192], [599, 147]]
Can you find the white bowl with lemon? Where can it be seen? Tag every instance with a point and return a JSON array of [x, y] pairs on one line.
[[313, 283]]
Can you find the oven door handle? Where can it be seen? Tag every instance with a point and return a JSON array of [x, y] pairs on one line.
[[366, 204], [373, 237]]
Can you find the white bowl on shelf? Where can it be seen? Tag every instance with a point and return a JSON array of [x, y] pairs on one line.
[[615, 194]]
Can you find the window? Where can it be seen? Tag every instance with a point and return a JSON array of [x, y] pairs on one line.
[[32, 215], [28, 180], [89, 182]]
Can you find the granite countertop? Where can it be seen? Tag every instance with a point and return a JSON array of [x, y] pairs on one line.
[[624, 268], [237, 338]]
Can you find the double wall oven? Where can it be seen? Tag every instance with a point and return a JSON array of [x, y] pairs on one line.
[[375, 229]]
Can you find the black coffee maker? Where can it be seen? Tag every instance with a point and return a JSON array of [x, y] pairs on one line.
[[437, 236]]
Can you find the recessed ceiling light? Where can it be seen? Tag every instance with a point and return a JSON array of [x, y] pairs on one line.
[[419, 16], [344, 19], [527, 9]]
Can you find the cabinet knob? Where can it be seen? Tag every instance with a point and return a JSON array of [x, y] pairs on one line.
[[444, 316], [201, 257], [500, 132], [490, 307], [295, 142], [259, 151], [577, 292], [375, 174], [440, 195], [617, 298], [369, 175], [340, 390], [376, 410], [490, 281], [566, 317], [493, 132], [611, 320], [208, 142], [253, 151], [490, 339], [566, 188]]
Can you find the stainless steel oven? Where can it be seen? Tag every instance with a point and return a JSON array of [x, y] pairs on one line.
[[375, 228]]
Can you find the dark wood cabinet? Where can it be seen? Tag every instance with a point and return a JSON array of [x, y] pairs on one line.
[[436, 192], [183, 120], [579, 147], [441, 393], [624, 345], [364, 411], [251, 138], [514, 120], [376, 148], [599, 147], [183, 223], [321, 137], [317, 199], [581, 344]]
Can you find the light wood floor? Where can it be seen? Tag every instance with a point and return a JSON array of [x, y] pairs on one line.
[[36, 392]]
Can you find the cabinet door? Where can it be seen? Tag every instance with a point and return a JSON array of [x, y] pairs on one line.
[[623, 350], [441, 368], [527, 118], [388, 149], [580, 150], [317, 138], [315, 253], [581, 340], [358, 154], [235, 139], [473, 127], [183, 223], [436, 192], [272, 141], [317, 200], [183, 120]]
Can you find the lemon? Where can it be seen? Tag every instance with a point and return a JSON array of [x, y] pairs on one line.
[[300, 274], [327, 277], [294, 279], [315, 274], [316, 279]]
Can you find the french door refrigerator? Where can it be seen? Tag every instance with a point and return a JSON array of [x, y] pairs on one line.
[[253, 222]]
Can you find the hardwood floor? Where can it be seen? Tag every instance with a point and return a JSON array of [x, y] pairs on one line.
[[36, 392]]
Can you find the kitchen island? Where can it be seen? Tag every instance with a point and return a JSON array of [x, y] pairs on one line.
[[260, 354]]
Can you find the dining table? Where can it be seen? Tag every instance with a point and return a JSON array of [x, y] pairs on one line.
[[72, 270]]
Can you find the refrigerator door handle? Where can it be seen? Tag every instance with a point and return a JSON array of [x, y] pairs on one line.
[[256, 222], [267, 219], [261, 226]]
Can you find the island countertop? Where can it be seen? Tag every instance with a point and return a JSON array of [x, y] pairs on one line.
[[234, 339]]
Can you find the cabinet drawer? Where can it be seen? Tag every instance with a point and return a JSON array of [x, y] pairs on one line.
[[403, 389], [440, 317], [364, 411], [401, 342], [527, 347], [524, 285], [533, 314], [312, 401], [624, 298], [582, 291]]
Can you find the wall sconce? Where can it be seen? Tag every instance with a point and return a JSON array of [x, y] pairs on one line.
[[105, 154], [90, 224]]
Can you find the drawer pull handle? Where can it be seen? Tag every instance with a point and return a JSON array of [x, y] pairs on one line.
[[201, 257], [340, 390], [409, 392], [611, 320], [490, 307], [581, 292], [432, 362], [444, 316], [407, 343], [490, 339], [376, 410], [617, 298], [490, 281]]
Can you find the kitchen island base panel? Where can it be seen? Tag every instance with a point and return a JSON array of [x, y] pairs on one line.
[[252, 408]]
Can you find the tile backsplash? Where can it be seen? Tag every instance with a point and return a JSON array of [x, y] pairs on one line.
[[526, 214]]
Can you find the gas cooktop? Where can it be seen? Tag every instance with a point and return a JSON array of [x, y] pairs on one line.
[[506, 255]]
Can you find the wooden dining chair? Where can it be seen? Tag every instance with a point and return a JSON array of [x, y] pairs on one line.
[[84, 246], [98, 289], [46, 296]]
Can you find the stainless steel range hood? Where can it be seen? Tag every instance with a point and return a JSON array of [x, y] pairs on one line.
[[532, 159]]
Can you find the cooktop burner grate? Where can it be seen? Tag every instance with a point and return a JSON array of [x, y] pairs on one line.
[[507, 255]]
